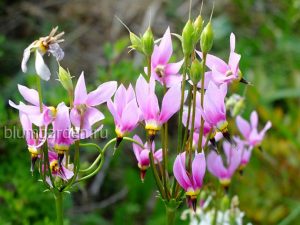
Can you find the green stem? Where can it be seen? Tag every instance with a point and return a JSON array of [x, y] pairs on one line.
[[201, 102], [91, 167], [59, 207], [181, 105], [171, 215], [193, 126]]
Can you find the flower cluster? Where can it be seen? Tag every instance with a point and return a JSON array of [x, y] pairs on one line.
[[198, 97]]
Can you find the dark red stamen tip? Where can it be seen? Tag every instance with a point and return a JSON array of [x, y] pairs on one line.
[[142, 175], [118, 142], [33, 161], [60, 157]]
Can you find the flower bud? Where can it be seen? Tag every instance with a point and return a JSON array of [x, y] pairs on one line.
[[65, 79], [187, 38], [238, 107], [225, 203], [136, 42], [207, 38], [196, 69], [148, 42], [198, 23]]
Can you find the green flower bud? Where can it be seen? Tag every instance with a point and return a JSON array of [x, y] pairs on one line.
[[65, 79], [238, 107], [148, 42], [198, 23], [188, 38], [196, 69], [136, 42], [225, 203], [207, 38]]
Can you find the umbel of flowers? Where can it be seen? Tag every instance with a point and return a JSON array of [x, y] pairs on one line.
[[194, 89]]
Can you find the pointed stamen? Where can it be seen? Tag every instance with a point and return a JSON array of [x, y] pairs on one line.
[[33, 161]]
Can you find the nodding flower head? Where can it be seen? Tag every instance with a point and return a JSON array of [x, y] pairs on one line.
[[224, 170], [124, 110], [190, 181], [161, 70], [48, 44], [84, 113], [153, 116], [250, 132], [222, 72], [142, 155], [32, 110]]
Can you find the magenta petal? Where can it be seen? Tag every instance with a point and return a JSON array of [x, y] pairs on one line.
[[179, 171], [136, 148], [215, 165], [165, 48], [142, 92], [62, 120], [170, 103], [144, 157], [130, 116], [198, 169], [30, 95], [243, 126], [80, 92], [102, 94], [75, 117]]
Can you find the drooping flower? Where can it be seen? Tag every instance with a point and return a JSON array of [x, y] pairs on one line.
[[249, 131], [163, 71], [124, 110], [84, 114], [191, 181], [142, 155], [225, 170], [33, 112], [62, 136], [214, 110], [35, 140], [222, 72], [153, 116], [57, 170], [48, 44]]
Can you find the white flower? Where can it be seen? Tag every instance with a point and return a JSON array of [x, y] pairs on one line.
[[48, 44]]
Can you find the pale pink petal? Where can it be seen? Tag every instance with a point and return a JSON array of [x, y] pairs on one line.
[[198, 169], [254, 120], [102, 94], [170, 103], [142, 92], [30, 95], [80, 93], [179, 172], [232, 42], [154, 58], [144, 157], [243, 126], [165, 48], [66, 174], [213, 61], [93, 115], [215, 165], [41, 68], [136, 148], [26, 55], [233, 62], [173, 68], [120, 99], [130, 116], [158, 156], [111, 107]]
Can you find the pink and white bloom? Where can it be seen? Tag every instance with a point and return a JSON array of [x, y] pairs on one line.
[[222, 72], [164, 72], [225, 170], [84, 114], [153, 116], [34, 140], [214, 110], [32, 110], [190, 182], [124, 110], [250, 132], [42, 46], [56, 169], [142, 155]]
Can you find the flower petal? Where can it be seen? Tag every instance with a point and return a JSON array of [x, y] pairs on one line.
[[30, 95], [165, 48], [41, 68], [243, 126], [80, 93], [102, 94], [179, 171], [198, 169]]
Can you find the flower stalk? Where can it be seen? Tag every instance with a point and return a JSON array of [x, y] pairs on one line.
[[59, 207]]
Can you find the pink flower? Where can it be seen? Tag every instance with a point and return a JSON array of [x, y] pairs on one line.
[[124, 110], [164, 72], [214, 110], [147, 100], [34, 140], [56, 170], [33, 110], [190, 182], [222, 72], [249, 130], [84, 114], [216, 166], [142, 155]]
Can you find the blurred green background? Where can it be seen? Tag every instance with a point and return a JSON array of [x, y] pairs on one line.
[[268, 37]]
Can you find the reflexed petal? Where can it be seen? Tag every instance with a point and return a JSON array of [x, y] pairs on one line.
[[102, 94], [26, 55], [30, 95], [243, 126], [41, 68], [56, 51], [254, 120], [198, 169], [213, 61], [62, 119], [267, 127], [142, 92], [165, 47], [232, 42], [66, 174], [75, 117], [27, 128], [111, 107], [170, 103], [93, 115], [154, 58], [158, 156], [172, 80], [120, 99], [173, 68], [215, 165], [233, 62], [136, 148], [144, 157], [80, 93], [179, 171]]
